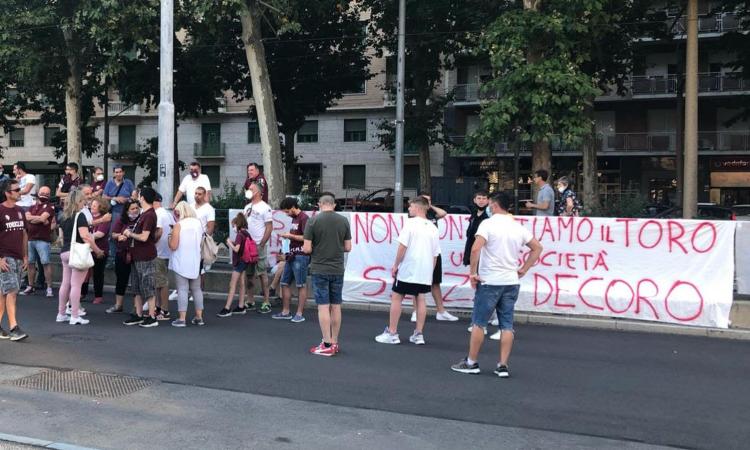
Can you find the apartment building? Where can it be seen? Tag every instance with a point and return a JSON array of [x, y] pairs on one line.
[[337, 150], [638, 134]]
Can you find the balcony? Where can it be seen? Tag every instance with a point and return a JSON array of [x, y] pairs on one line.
[[210, 150], [645, 142], [409, 150], [123, 109], [125, 149], [666, 85], [470, 93], [712, 23]]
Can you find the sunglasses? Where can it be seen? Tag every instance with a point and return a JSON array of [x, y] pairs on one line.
[[14, 190]]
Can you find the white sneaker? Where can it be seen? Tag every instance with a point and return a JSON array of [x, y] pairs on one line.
[[190, 299], [417, 338], [69, 311], [496, 336], [387, 338], [446, 316], [78, 321], [62, 318], [471, 327], [494, 321], [49, 292], [414, 316], [173, 295]]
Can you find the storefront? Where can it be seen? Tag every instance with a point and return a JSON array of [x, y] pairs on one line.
[[730, 180]]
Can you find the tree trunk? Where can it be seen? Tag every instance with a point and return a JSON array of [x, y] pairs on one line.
[[541, 155], [289, 163], [250, 18], [425, 174], [590, 183], [73, 99]]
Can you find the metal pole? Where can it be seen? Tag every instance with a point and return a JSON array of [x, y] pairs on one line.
[[398, 200], [166, 106], [690, 178]]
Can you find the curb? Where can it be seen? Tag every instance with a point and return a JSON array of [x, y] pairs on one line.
[[526, 318], [39, 442]]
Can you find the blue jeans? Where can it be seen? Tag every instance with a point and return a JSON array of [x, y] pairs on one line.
[[490, 298], [297, 269], [328, 289]]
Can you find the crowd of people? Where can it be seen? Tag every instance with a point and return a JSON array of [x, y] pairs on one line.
[[128, 230]]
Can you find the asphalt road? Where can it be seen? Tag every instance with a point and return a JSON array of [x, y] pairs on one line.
[[650, 388]]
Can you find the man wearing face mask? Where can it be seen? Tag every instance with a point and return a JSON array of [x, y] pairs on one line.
[[39, 220], [190, 183], [98, 182], [259, 225]]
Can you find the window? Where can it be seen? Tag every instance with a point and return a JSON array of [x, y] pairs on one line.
[[308, 132], [49, 134], [17, 137], [354, 177], [358, 86], [253, 133], [411, 176], [308, 179], [211, 139], [130, 173], [214, 175], [355, 130], [126, 138]]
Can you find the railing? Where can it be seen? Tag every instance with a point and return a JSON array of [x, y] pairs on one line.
[[115, 148], [123, 109], [656, 142], [470, 93], [210, 151], [667, 84], [714, 23]]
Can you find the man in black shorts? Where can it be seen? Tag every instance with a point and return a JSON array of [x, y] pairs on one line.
[[418, 250]]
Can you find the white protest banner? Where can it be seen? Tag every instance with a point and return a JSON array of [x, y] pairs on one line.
[[674, 271]]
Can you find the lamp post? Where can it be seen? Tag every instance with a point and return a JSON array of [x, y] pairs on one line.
[[166, 104], [398, 191]]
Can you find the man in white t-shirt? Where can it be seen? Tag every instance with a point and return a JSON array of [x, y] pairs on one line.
[[418, 249], [494, 273], [164, 222], [207, 215], [27, 183], [260, 225], [190, 183]]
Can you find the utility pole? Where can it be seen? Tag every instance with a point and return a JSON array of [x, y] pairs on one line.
[[398, 191], [166, 160], [690, 178]]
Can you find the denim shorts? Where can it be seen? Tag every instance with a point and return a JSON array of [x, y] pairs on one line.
[[240, 267], [10, 281], [39, 250], [297, 269], [328, 289], [489, 299]]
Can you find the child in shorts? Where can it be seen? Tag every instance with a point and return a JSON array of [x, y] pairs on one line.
[[239, 223]]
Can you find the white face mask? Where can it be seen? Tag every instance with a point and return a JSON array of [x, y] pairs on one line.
[[249, 194], [561, 189], [100, 178]]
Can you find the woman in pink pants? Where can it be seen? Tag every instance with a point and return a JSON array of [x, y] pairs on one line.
[[70, 289]]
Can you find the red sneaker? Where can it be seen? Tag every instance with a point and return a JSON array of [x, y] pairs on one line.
[[322, 350], [336, 348]]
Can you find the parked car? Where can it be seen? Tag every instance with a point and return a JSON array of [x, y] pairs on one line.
[[741, 212], [377, 201], [454, 209], [706, 211]]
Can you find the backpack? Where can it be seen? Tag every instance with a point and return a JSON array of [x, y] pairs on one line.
[[249, 250]]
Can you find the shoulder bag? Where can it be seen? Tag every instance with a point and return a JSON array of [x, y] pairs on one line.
[[80, 254]]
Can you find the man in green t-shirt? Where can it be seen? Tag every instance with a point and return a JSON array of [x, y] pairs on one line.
[[327, 237]]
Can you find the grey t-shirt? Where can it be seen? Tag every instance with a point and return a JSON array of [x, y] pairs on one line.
[[546, 194], [327, 231]]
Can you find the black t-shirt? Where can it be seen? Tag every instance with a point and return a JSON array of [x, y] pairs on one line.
[[67, 228], [432, 216]]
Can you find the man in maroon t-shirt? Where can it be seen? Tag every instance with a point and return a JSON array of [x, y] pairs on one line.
[[143, 251], [254, 175], [39, 220], [13, 257], [296, 262]]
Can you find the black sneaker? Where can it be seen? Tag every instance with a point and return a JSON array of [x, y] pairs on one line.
[[114, 310], [224, 313], [16, 334], [162, 315], [249, 306], [502, 371], [4, 334], [465, 367], [134, 319], [239, 311], [197, 321], [149, 322]]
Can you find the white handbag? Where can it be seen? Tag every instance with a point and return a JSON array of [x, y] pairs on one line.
[[80, 254]]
